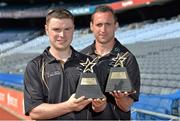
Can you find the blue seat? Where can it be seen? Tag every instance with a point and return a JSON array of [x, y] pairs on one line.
[[12, 80]]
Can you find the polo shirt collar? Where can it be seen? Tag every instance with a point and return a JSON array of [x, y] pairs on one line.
[[92, 49], [116, 49], [51, 58]]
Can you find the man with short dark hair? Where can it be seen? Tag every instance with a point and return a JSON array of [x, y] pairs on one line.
[[106, 47]]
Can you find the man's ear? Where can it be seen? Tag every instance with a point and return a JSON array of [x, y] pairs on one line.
[[46, 29], [91, 24], [117, 25]]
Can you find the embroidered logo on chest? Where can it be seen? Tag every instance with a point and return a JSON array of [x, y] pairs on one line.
[[54, 73]]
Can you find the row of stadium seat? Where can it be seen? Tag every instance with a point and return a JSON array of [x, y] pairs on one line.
[[166, 104], [14, 81]]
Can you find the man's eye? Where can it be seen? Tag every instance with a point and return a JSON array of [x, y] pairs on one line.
[[108, 24], [68, 29], [56, 29], [99, 25]]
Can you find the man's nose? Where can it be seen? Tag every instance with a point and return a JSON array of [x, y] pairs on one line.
[[61, 33], [103, 28]]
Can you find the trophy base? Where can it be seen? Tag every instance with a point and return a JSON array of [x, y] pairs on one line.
[[118, 80], [88, 86]]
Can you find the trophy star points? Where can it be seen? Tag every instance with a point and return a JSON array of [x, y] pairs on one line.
[[119, 60], [88, 65]]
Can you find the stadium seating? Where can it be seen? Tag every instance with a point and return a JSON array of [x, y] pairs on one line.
[[164, 104], [12, 38], [14, 81]]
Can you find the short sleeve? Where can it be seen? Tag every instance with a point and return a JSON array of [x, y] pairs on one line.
[[33, 90]]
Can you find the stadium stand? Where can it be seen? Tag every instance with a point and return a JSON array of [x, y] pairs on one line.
[[14, 81], [15, 37]]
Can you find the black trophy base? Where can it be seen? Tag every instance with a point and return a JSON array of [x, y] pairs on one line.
[[88, 87], [118, 80]]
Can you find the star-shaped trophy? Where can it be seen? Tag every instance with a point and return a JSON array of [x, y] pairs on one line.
[[88, 85], [88, 66], [119, 60], [118, 77]]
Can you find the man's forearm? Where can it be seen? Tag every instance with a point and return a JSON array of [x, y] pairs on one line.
[[48, 111]]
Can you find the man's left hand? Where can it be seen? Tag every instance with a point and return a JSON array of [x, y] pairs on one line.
[[98, 104], [123, 100]]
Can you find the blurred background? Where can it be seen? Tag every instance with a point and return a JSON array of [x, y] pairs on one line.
[[149, 28]]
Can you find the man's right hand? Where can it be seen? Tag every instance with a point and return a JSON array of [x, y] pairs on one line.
[[78, 104], [49, 111]]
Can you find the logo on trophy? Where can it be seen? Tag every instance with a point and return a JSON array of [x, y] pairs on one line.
[[118, 77], [88, 85]]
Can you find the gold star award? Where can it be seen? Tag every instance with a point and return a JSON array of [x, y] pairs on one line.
[[88, 85], [118, 79]]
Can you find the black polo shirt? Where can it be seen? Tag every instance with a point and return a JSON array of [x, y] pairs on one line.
[[46, 81], [112, 112]]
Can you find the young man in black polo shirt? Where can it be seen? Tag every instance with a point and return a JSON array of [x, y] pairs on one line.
[[51, 78], [103, 25]]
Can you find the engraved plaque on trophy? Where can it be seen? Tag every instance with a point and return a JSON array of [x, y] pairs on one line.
[[118, 78], [88, 85]]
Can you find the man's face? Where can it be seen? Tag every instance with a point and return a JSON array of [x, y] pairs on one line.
[[60, 33], [103, 27]]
